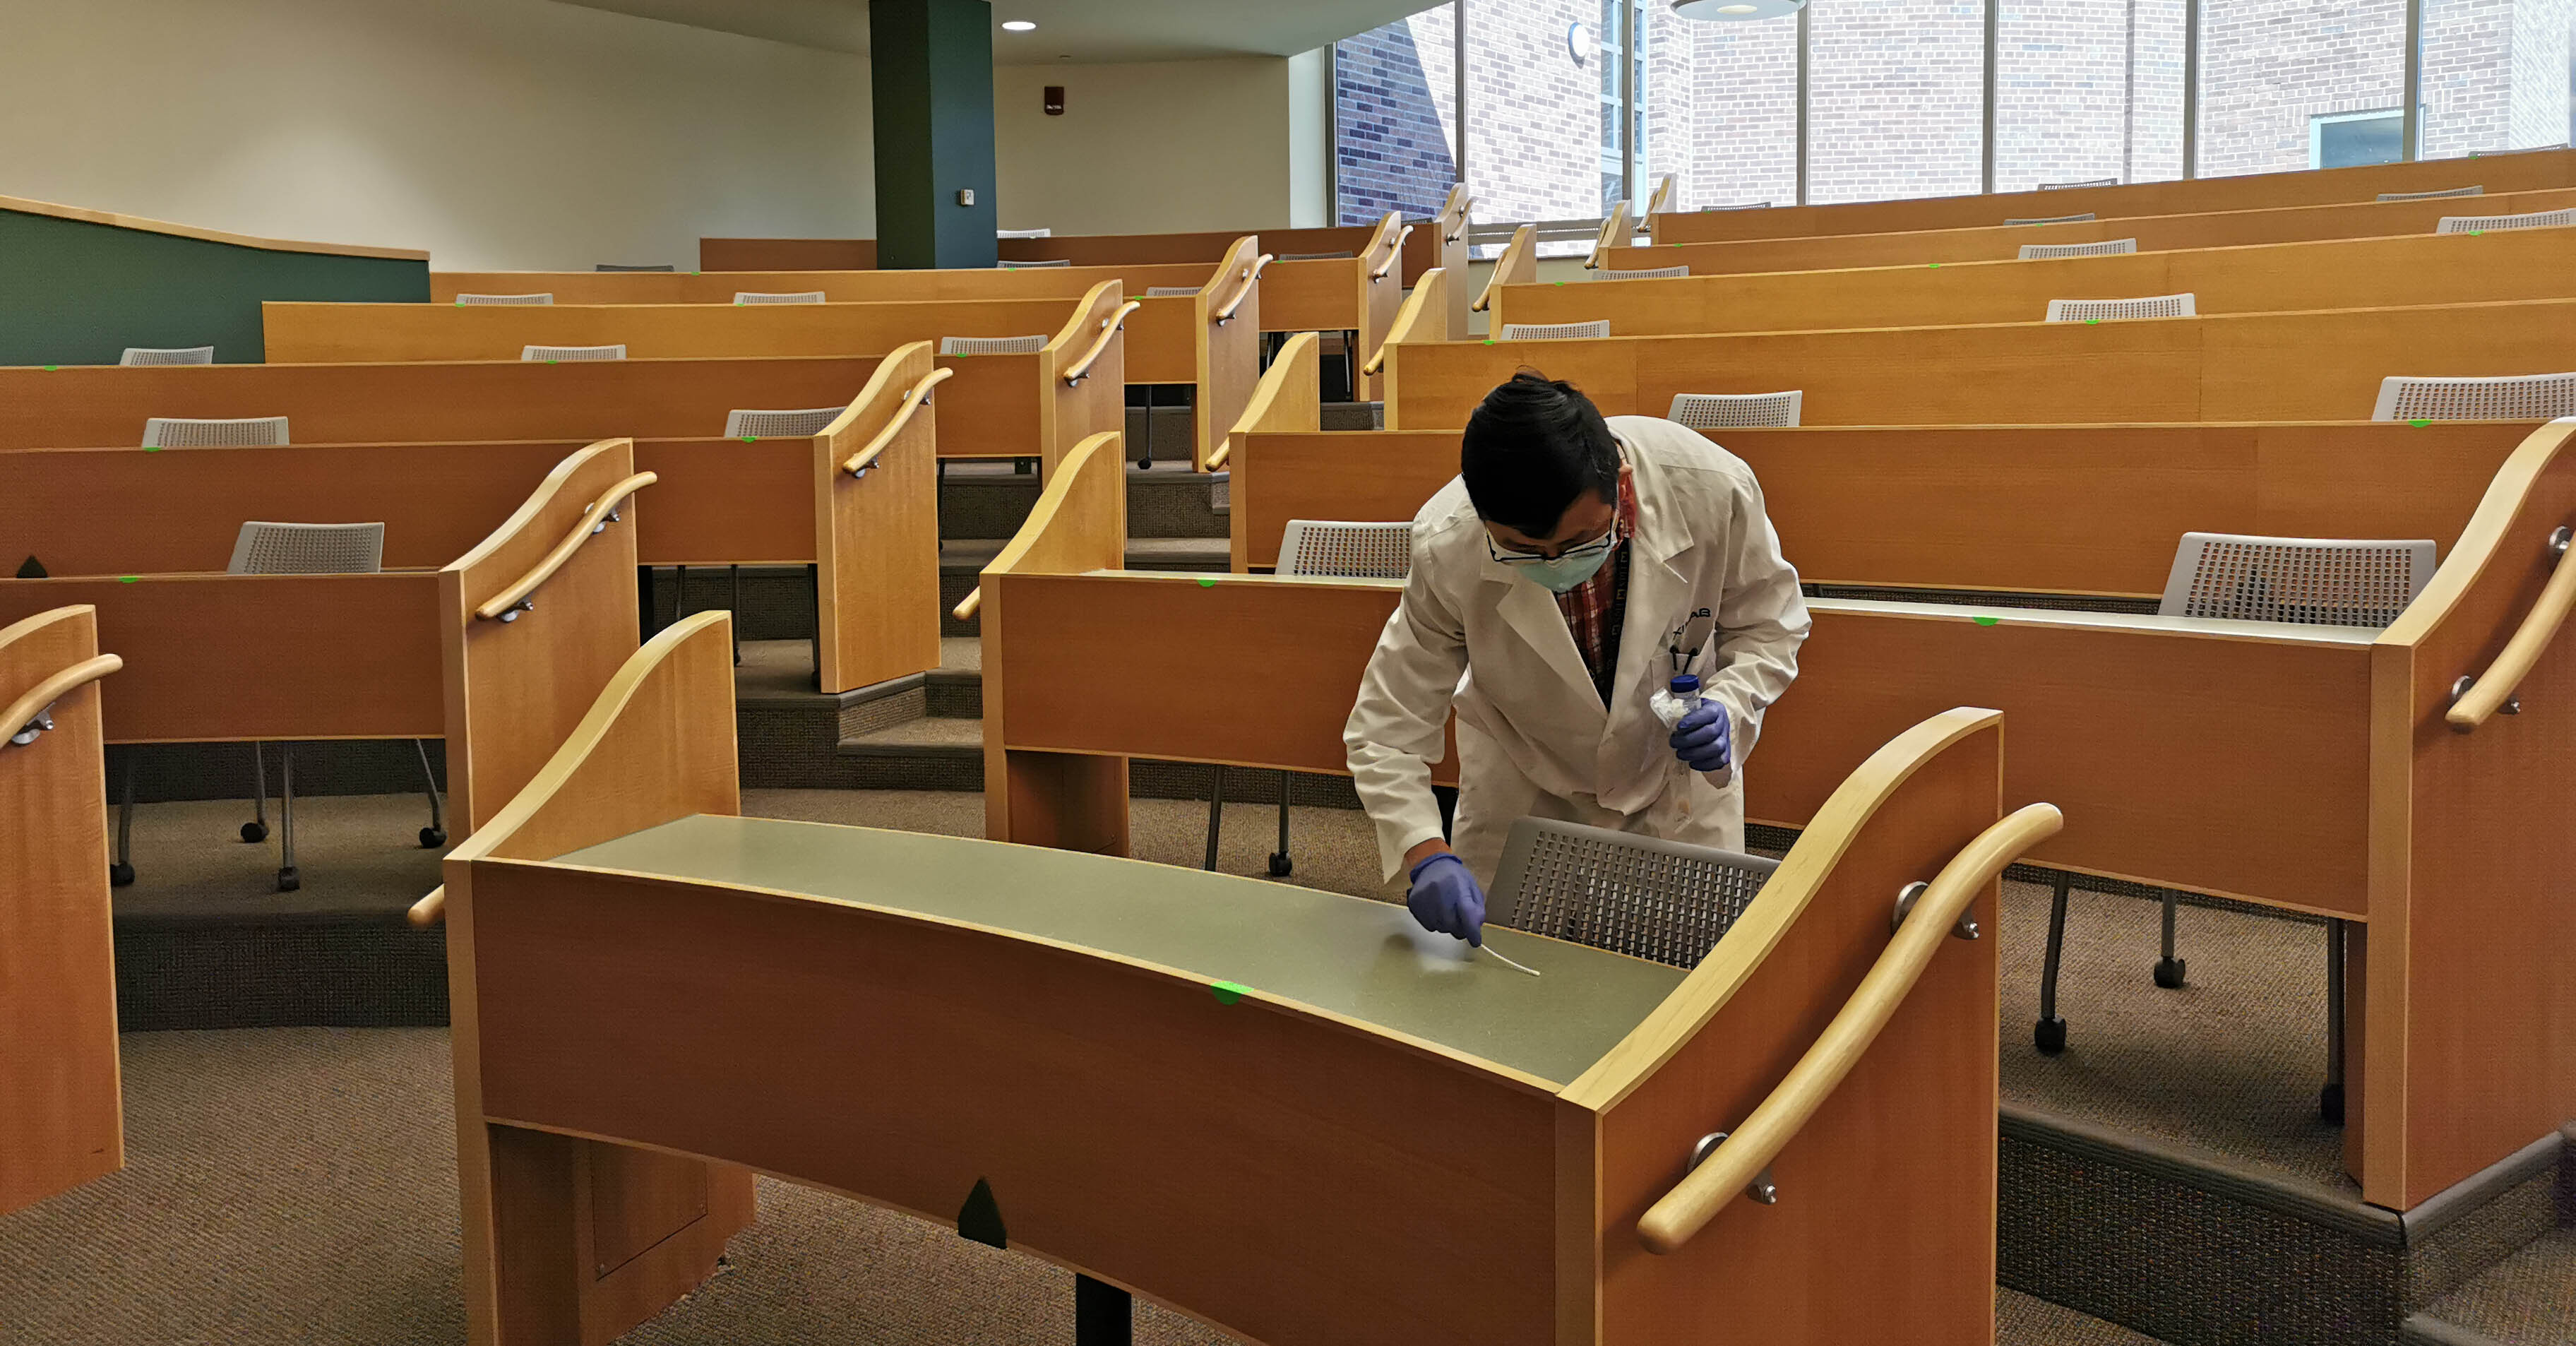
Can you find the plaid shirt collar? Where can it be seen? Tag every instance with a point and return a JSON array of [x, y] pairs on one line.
[[1587, 605]]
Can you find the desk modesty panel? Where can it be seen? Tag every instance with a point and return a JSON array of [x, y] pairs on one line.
[[1347, 956]]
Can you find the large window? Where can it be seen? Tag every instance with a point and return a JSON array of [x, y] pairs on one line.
[[2087, 90], [1720, 108], [2282, 80], [2496, 75], [1895, 99], [1571, 105]]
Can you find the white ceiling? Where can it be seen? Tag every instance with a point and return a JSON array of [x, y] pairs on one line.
[[1087, 31]]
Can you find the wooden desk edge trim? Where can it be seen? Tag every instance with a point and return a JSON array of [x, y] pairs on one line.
[[24, 206]]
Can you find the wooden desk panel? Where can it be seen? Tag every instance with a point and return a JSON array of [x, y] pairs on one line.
[[61, 1120], [212, 658], [2230, 766], [105, 405], [349, 333]]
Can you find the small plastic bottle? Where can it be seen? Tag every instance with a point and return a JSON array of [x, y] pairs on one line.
[[1676, 701]]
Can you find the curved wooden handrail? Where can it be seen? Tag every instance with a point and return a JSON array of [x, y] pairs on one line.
[[1430, 297], [1697, 1198], [1465, 209], [1612, 230], [1394, 254], [968, 606], [1523, 239], [913, 397], [23, 711], [1216, 457], [592, 520], [429, 910], [1109, 327], [1662, 197], [2492, 689], [1251, 282]]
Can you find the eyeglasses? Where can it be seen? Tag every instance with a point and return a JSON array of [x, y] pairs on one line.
[[1600, 546]]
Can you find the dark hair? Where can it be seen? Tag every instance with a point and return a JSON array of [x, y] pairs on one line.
[[1531, 448]]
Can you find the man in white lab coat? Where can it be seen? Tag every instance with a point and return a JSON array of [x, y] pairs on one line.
[[1553, 581]]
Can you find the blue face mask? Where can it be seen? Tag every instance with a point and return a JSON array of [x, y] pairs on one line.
[[1566, 573]]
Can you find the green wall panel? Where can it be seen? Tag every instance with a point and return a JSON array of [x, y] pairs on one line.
[[75, 293]]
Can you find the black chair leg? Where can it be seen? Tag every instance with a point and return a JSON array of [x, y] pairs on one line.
[[120, 871], [435, 835], [256, 830], [1216, 814], [1280, 864], [2330, 1102], [679, 593], [287, 879], [2050, 1034], [2169, 969], [814, 578], [733, 575], [1145, 455], [645, 626]]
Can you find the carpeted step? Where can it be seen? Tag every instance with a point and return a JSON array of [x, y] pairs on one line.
[[1170, 432], [989, 500], [1354, 415]]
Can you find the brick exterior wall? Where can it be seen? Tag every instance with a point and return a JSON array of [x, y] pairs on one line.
[[2084, 89], [1392, 143]]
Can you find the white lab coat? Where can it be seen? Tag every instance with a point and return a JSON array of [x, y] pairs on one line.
[[1533, 735]]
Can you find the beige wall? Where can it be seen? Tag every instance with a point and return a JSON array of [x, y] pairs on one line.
[[1162, 147], [494, 133]]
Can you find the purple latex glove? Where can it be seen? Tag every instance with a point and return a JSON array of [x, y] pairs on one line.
[[1705, 739], [1445, 899]]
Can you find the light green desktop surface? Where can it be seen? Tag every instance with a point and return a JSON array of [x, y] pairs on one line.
[[1351, 956]]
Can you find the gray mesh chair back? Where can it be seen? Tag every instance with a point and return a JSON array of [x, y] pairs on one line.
[[2432, 196], [768, 424], [2045, 252], [2113, 310], [1024, 233], [1718, 411], [1027, 345], [2297, 580], [308, 549], [764, 297], [2088, 182], [1334, 549], [1656, 273], [1556, 331], [2479, 224], [1023, 266], [1316, 257], [182, 432], [558, 354], [2057, 219], [2515, 397], [470, 300], [1170, 291], [612, 266], [1631, 894], [168, 355]]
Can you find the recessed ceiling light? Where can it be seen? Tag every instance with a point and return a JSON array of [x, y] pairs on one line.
[[1737, 11], [1018, 26]]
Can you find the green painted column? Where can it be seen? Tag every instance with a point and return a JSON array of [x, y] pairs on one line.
[[931, 67]]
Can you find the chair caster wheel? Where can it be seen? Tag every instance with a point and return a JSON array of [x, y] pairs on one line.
[[288, 881], [120, 874], [1280, 866], [2049, 1036], [2330, 1105], [2169, 972], [432, 838], [254, 832], [1144, 464]]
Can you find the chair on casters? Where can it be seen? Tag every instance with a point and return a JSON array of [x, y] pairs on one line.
[[1664, 901], [168, 355], [314, 549], [2289, 580], [1319, 549]]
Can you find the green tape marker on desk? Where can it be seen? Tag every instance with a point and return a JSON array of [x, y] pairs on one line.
[[2419, 424], [750, 439], [1207, 584], [1987, 621], [128, 579], [1227, 992], [51, 368]]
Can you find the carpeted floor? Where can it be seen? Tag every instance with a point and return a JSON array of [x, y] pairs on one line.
[[298, 1186], [2529, 1299]]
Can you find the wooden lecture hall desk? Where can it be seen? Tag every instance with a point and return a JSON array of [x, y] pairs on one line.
[[2264, 278], [2517, 171], [857, 502], [2363, 775], [1998, 241], [1208, 338], [1279, 1110], [1001, 405], [61, 1118]]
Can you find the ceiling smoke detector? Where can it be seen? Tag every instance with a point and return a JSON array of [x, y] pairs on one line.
[[1737, 11]]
